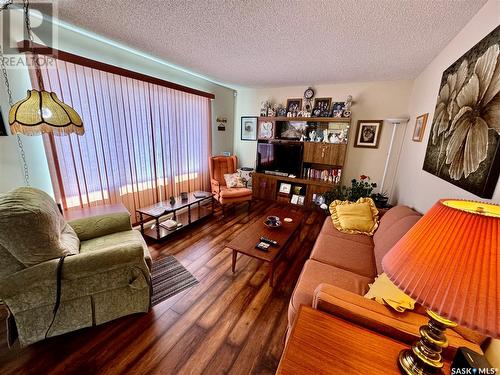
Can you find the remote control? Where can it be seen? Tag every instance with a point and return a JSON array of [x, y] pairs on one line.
[[269, 241]]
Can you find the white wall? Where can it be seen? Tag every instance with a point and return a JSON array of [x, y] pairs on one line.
[[415, 187], [84, 45], [372, 101]]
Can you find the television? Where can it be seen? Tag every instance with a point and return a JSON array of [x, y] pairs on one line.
[[280, 158]]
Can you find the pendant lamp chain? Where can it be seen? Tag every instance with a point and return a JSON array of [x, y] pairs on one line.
[[9, 93], [34, 56]]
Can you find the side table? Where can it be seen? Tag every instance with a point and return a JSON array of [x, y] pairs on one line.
[[321, 343]]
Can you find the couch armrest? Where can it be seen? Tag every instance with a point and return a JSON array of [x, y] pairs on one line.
[[95, 225], [403, 327], [79, 266]]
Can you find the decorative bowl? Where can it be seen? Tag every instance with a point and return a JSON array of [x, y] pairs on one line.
[[272, 222]]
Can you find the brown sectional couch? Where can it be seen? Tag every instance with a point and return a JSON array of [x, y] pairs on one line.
[[349, 261], [336, 276]]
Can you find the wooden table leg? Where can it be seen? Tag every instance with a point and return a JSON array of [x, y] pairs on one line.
[[157, 228], [142, 223], [233, 266]]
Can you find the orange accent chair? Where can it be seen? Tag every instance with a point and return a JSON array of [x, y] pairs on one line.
[[219, 166]]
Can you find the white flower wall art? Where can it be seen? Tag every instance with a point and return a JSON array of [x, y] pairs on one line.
[[464, 143]]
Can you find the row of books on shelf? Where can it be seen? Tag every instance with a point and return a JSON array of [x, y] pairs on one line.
[[331, 175]]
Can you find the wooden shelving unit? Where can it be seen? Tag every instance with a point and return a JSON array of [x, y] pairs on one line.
[[316, 155], [345, 120]]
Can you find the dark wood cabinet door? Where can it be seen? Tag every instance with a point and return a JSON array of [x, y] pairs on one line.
[[334, 154], [324, 153], [309, 152], [263, 187]]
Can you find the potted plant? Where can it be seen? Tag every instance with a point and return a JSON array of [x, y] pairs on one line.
[[359, 189]]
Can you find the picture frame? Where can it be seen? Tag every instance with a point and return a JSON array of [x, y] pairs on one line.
[[322, 107], [249, 128], [295, 199], [294, 105], [285, 188], [337, 109], [293, 130], [266, 129], [471, 160], [368, 133], [300, 200], [418, 131]]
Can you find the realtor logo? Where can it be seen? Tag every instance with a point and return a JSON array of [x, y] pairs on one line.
[[14, 26]]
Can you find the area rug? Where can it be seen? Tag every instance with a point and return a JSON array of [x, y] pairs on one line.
[[169, 277]]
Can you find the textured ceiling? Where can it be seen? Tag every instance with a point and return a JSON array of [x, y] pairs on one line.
[[265, 43]]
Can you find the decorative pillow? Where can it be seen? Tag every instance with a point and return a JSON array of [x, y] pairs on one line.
[[234, 180], [385, 292], [360, 217]]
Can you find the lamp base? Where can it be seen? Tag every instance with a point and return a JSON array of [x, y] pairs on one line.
[[424, 357]]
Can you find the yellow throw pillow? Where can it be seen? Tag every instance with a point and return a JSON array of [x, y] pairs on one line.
[[385, 292], [359, 217]]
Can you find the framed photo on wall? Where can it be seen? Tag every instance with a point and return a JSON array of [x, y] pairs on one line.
[[368, 133], [249, 128], [418, 132]]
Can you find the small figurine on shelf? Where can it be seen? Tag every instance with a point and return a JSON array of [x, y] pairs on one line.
[[325, 136], [303, 138], [346, 111], [281, 111], [264, 108], [343, 136], [312, 136], [172, 201]]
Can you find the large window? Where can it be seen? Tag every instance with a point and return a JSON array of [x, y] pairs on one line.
[[143, 141]]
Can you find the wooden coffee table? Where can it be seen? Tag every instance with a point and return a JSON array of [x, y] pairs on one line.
[[245, 242]]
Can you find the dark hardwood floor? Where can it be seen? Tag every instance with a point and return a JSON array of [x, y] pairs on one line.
[[228, 323]]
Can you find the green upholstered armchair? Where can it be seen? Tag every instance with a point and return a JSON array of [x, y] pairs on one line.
[[105, 274]]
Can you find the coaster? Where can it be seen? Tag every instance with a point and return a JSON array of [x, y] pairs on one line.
[[287, 219]]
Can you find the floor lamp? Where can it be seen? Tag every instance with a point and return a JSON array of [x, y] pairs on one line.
[[395, 122]]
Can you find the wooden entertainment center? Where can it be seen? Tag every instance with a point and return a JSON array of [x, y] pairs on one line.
[[316, 156]]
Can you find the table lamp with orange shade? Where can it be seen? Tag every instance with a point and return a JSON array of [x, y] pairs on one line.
[[449, 262]]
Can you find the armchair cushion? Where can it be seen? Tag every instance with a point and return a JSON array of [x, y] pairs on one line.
[[125, 239], [101, 225], [235, 192], [33, 229]]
